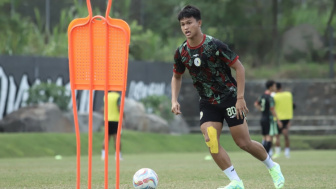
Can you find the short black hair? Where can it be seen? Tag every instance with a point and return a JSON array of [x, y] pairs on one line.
[[278, 85], [188, 12], [269, 84]]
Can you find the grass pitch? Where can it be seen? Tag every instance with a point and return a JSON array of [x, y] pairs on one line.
[[305, 169]]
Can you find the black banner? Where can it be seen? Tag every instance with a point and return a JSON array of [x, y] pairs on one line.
[[19, 73]]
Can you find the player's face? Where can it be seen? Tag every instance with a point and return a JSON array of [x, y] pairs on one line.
[[190, 27], [273, 88]]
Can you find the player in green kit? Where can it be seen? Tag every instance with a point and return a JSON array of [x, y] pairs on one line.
[[209, 62], [269, 119]]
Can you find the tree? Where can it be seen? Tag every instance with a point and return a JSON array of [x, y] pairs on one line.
[[332, 13]]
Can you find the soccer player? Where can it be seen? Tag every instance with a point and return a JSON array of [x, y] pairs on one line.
[[284, 107], [265, 104], [209, 62], [113, 120]]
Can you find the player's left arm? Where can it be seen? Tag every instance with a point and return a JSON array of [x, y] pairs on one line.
[[274, 113], [257, 104], [272, 109], [240, 77], [118, 104]]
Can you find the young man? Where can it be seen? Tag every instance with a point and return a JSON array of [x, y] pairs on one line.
[[113, 120], [284, 107], [265, 104], [221, 97]]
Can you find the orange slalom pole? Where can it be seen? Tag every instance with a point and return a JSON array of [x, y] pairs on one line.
[[120, 125], [74, 106], [90, 108], [106, 98], [118, 140], [106, 138], [90, 142], [120, 122]]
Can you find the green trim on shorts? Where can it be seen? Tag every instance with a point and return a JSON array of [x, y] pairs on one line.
[[273, 127]]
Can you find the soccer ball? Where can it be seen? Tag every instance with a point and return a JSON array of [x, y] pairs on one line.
[[145, 178]]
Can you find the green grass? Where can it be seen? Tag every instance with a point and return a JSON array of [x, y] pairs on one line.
[[27, 160], [305, 169], [51, 144]]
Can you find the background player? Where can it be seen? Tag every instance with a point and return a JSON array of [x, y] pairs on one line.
[[284, 107], [265, 104], [113, 120]]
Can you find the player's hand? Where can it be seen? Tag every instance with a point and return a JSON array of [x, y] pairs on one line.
[[176, 108], [241, 108], [279, 124]]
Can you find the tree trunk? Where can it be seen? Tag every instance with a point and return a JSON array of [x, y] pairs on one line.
[[275, 32], [329, 21]]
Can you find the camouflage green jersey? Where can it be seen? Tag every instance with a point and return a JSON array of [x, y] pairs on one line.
[[209, 66], [267, 103]]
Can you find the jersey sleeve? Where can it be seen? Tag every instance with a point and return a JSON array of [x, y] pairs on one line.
[[225, 54], [179, 67], [271, 102]]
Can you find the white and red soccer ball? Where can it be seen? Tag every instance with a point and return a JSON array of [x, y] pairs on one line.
[[145, 178]]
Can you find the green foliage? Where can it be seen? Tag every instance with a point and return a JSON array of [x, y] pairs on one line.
[[13, 34], [23, 36], [311, 12], [247, 26], [2, 2], [158, 105], [49, 92], [150, 46]]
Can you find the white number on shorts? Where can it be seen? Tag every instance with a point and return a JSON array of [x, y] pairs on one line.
[[231, 111]]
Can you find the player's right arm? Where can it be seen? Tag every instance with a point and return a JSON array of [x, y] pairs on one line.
[[176, 86], [176, 82]]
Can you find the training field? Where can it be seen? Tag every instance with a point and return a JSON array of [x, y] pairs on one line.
[[305, 169]]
